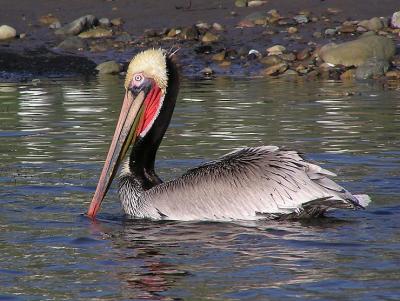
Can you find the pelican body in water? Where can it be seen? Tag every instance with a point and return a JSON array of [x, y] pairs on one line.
[[251, 183]]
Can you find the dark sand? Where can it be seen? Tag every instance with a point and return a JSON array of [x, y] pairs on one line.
[[39, 42], [141, 14]]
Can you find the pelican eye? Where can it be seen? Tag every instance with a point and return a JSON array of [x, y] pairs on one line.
[[138, 78], [139, 82]]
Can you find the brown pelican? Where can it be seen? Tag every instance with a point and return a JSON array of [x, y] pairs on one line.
[[246, 184]]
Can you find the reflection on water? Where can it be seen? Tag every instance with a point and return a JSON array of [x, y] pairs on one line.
[[54, 137]]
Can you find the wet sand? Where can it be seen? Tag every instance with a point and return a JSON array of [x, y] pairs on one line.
[[139, 16]]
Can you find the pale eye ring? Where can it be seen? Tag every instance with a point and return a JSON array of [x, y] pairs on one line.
[[138, 78]]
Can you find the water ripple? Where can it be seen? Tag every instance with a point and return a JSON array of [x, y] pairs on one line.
[[55, 137]]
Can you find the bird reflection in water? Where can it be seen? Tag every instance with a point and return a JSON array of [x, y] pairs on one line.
[[160, 258], [143, 272]]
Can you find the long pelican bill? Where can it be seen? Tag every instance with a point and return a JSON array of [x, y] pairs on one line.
[[125, 133]]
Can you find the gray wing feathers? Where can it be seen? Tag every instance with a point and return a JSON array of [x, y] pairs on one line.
[[247, 184], [363, 199]]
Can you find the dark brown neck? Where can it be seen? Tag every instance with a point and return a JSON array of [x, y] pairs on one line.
[[144, 151]]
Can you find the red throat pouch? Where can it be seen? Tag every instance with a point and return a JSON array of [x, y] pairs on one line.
[[151, 104]]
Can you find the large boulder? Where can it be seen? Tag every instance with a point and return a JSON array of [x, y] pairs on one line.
[[357, 52], [78, 25]]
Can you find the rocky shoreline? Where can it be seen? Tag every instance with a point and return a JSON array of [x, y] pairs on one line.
[[236, 38]]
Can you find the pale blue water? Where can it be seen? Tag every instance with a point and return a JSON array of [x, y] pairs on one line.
[[53, 140]]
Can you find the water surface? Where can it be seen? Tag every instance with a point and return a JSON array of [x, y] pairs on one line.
[[53, 140]]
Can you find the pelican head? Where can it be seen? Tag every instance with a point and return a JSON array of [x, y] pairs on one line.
[[145, 89]]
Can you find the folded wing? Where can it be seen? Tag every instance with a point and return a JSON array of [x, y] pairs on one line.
[[250, 183]]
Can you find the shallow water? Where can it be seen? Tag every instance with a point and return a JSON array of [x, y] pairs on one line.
[[53, 140]]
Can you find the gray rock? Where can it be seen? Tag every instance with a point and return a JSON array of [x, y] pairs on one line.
[[109, 67], [55, 25], [203, 25], [241, 3], [290, 57], [375, 24], [276, 49], [77, 26], [190, 33], [124, 37], [209, 37], [48, 19], [100, 45], [217, 26], [271, 60], [385, 21], [104, 22], [7, 32], [303, 54], [150, 33], [275, 69], [357, 52], [117, 21], [330, 31], [361, 29], [301, 19], [364, 23], [317, 35], [97, 32], [372, 68], [220, 56], [255, 16], [72, 43], [395, 20], [173, 32], [255, 3], [254, 53]]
